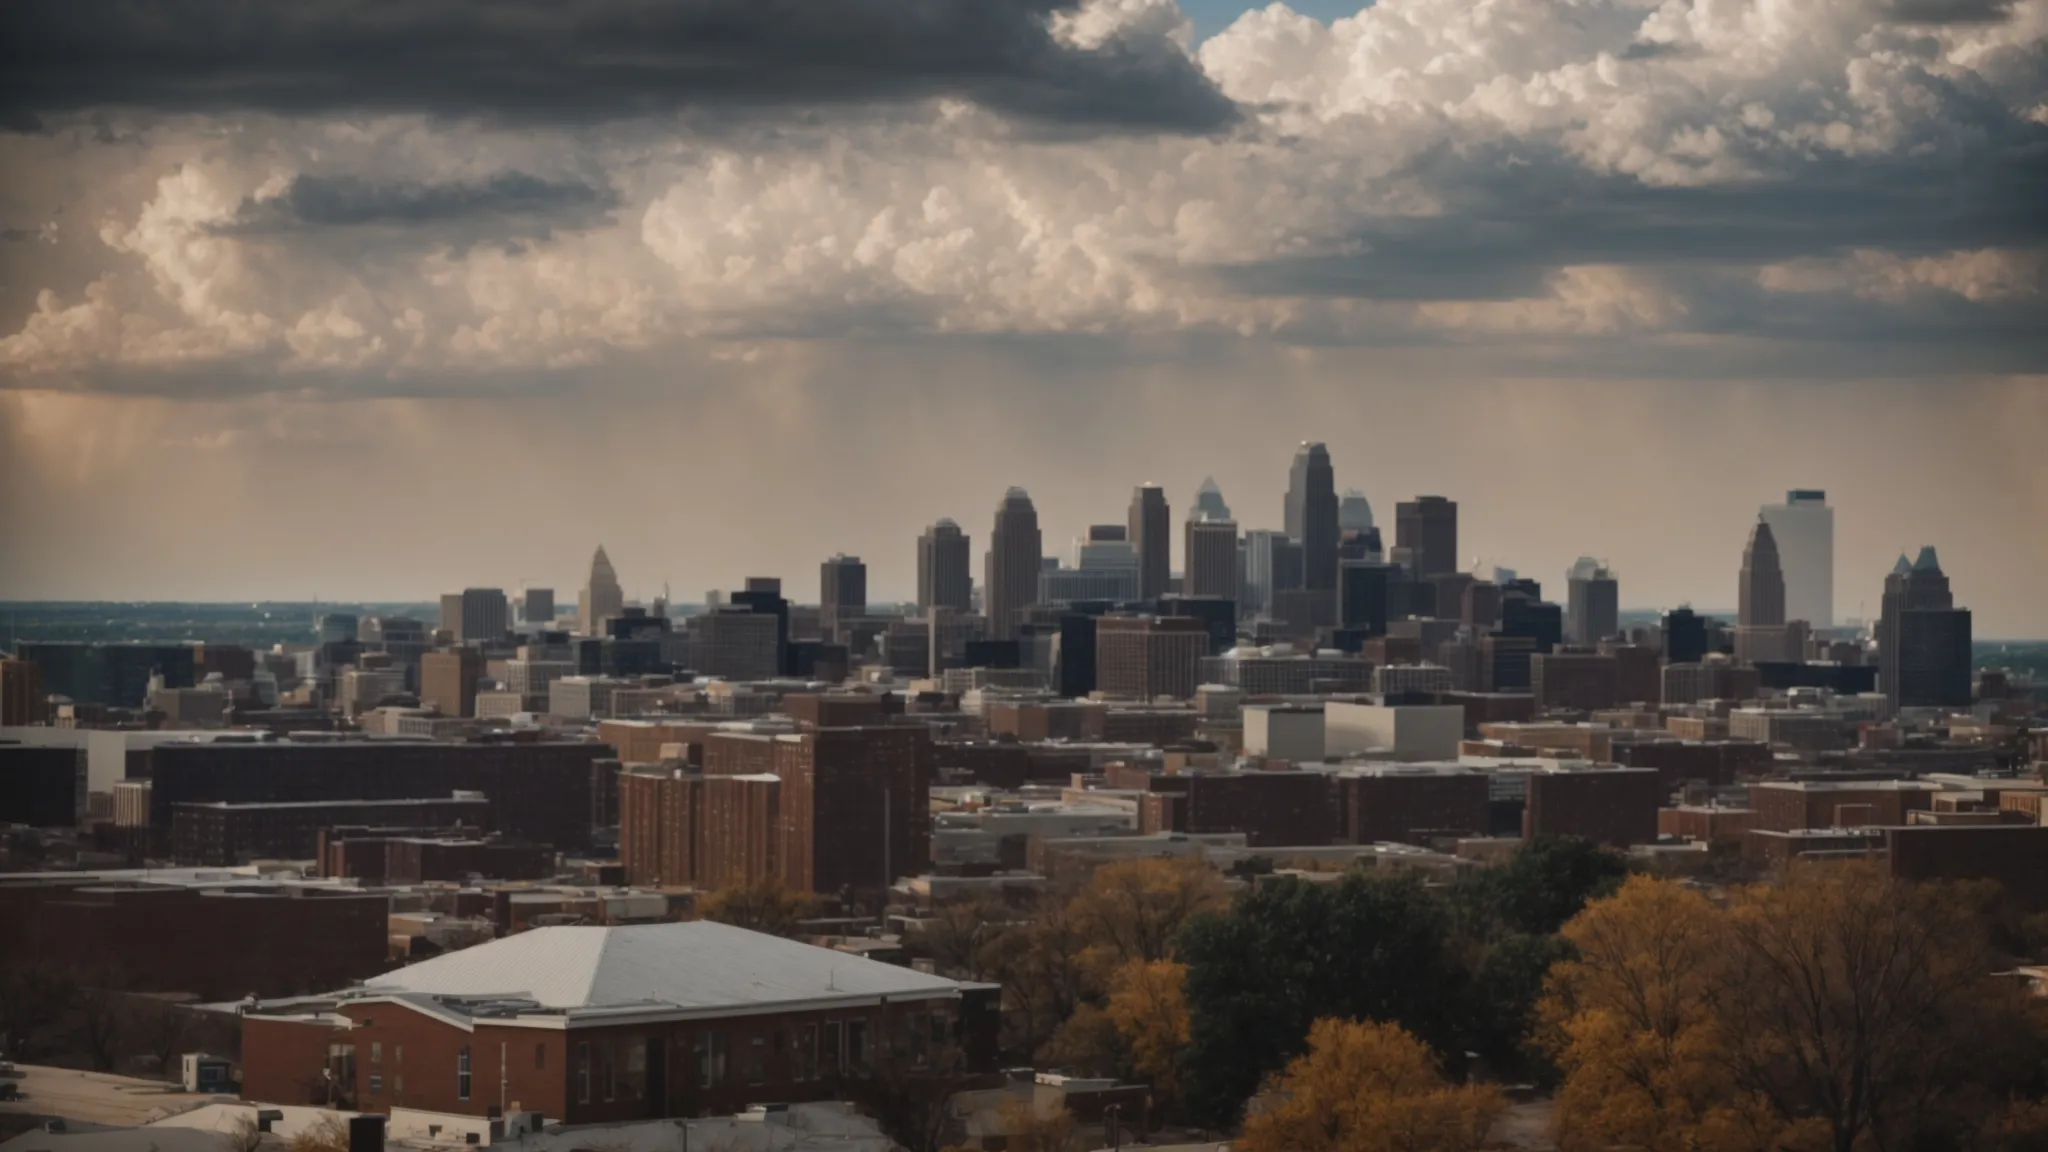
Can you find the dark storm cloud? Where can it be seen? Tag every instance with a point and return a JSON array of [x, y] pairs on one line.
[[1509, 220], [584, 60], [319, 202]]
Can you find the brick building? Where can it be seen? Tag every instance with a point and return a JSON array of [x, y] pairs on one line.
[[1270, 808], [2015, 855], [1716, 763], [1574, 681], [1792, 805], [220, 835], [1145, 657], [1704, 822], [537, 791], [1613, 806], [418, 856], [448, 680], [600, 1025], [217, 940], [1401, 802]]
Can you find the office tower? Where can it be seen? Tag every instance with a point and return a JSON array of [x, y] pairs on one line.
[[1144, 657], [538, 606], [1524, 615], [21, 694], [1593, 602], [1923, 639], [1427, 527], [337, 626], [448, 680], [1209, 503], [1106, 546], [1211, 550], [1685, 636], [1761, 594], [1068, 585], [1479, 610], [601, 597], [486, 617], [945, 576], [1362, 596], [736, 643], [763, 596], [1272, 562], [1354, 512], [1015, 556], [1312, 515], [1151, 536], [451, 613], [1804, 527], [842, 592]]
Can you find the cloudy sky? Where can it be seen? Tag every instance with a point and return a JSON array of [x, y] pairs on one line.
[[378, 298]]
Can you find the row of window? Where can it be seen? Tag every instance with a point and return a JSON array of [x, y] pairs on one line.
[[820, 1051]]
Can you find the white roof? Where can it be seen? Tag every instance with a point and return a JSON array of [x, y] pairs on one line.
[[701, 964]]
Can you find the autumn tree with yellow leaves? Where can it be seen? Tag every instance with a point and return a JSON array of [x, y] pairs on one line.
[[1368, 1087], [1836, 1011]]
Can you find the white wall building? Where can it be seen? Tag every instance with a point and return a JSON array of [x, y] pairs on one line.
[[1407, 732], [1804, 527]]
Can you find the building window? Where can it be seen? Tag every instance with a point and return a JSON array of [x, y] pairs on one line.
[[757, 1059], [462, 1074], [636, 1069], [829, 1050], [607, 1075], [376, 1051], [376, 1084], [857, 1047], [398, 1087], [710, 1059], [398, 1053], [583, 1072], [540, 1057], [807, 1052]]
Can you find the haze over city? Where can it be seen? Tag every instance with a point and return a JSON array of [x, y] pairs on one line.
[[1608, 275]]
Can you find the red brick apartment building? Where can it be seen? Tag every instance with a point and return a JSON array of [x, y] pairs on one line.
[[599, 1025], [823, 811], [1613, 806], [1400, 802]]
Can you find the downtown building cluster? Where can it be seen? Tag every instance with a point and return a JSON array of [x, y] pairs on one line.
[[568, 785]]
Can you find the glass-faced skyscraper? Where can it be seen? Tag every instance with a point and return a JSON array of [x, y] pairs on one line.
[[1312, 515], [1804, 527]]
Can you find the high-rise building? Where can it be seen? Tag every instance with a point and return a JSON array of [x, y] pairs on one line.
[[1923, 639], [538, 606], [601, 598], [1804, 527], [1685, 636], [1427, 527], [1272, 563], [1209, 503], [1312, 515], [1016, 554], [945, 574], [1211, 551], [842, 592], [22, 699], [1354, 512], [1151, 536], [448, 680], [451, 613], [736, 643], [1593, 602], [486, 617], [1143, 657], [1761, 594], [1362, 596]]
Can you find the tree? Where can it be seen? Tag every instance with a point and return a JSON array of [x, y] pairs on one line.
[[909, 1091], [328, 1134], [1545, 883], [35, 998], [1148, 1004], [102, 1025], [1039, 967], [1368, 1087], [1133, 910], [1861, 1007], [1634, 1021], [765, 905], [957, 937], [1289, 952], [1028, 1130]]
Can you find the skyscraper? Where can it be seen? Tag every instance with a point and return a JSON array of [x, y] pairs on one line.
[[1685, 636], [1211, 551], [1760, 613], [601, 598], [1151, 537], [1272, 562], [1804, 526], [1209, 503], [1923, 639], [485, 615], [1354, 512], [1592, 604], [944, 569], [537, 606], [1015, 555], [1312, 515], [22, 700], [1761, 595], [1427, 527], [842, 591]]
